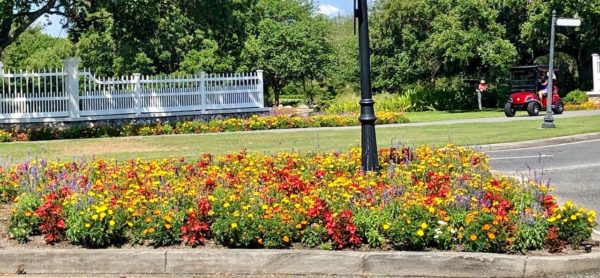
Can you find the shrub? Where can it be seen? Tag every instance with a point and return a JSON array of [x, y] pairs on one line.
[[576, 97], [384, 102]]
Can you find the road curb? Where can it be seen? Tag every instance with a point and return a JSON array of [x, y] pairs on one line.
[[290, 262], [539, 142]]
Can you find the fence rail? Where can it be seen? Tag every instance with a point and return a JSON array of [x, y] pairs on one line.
[[71, 93]]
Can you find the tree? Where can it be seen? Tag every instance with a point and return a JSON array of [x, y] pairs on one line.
[[428, 39], [288, 43], [578, 43], [18, 15], [34, 50], [343, 69]]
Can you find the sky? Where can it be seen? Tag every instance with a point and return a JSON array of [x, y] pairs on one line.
[[328, 7]]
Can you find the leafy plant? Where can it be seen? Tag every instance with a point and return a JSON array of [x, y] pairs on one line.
[[576, 97], [24, 221]]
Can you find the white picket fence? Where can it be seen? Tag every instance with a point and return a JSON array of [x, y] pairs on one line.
[[71, 93], [596, 73]]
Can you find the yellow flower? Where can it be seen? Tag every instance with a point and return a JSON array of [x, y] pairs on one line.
[[111, 222], [87, 225], [234, 225], [491, 236], [573, 217], [386, 226], [226, 205], [95, 216], [423, 225], [286, 239], [431, 209], [473, 237], [420, 233], [168, 226], [102, 215]]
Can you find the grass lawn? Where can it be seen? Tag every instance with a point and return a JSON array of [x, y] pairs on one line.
[[301, 139], [429, 116]]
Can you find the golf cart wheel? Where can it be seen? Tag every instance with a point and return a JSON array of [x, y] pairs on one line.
[[560, 107], [533, 108], [509, 111]]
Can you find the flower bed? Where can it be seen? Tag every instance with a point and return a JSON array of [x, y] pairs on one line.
[[590, 105], [187, 127], [428, 198]]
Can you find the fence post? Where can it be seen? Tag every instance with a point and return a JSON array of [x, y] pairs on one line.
[[261, 89], [1, 68], [72, 85], [596, 72], [137, 94], [203, 90]]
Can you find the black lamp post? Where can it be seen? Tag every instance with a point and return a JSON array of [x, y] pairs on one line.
[[367, 113]]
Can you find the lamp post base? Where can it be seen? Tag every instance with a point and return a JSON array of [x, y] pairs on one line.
[[548, 125], [548, 122]]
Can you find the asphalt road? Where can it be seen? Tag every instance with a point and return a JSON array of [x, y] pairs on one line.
[[572, 169]]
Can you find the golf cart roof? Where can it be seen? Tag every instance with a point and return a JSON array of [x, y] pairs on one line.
[[538, 67]]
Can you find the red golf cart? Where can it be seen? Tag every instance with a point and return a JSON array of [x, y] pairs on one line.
[[525, 83]]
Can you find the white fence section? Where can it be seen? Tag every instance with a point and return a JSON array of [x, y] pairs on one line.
[[70, 93], [596, 72], [33, 95]]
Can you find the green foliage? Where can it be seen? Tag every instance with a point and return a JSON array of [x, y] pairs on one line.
[[576, 97], [384, 102], [290, 45], [530, 235], [206, 60], [23, 221], [411, 230], [35, 50]]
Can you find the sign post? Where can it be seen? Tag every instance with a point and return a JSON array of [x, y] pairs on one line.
[[567, 22]]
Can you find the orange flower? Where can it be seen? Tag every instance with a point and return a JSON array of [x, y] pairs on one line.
[[286, 239], [491, 236], [486, 227], [473, 237]]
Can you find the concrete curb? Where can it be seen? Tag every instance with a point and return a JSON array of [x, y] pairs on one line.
[[290, 262], [539, 142]]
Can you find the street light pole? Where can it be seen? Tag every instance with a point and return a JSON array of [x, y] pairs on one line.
[[548, 119], [367, 112]]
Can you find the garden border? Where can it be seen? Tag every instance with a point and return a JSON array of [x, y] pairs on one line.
[[290, 262]]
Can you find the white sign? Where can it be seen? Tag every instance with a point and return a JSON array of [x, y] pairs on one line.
[[568, 22]]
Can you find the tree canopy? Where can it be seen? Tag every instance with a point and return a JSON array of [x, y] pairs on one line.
[[430, 43]]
